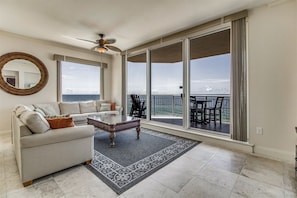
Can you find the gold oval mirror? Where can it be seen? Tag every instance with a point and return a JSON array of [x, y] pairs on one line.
[[22, 74]]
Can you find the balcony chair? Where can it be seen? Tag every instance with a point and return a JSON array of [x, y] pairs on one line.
[[216, 111], [196, 110], [138, 107]]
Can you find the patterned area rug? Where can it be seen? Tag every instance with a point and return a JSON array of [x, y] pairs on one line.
[[132, 160]]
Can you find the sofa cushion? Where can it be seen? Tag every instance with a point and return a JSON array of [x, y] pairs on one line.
[[24, 130], [102, 113], [69, 108], [47, 109], [99, 102], [61, 122], [79, 117], [87, 107], [105, 107], [35, 121], [58, 116]]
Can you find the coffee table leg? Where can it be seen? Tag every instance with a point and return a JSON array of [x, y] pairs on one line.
[[111, 136], [138, 131]]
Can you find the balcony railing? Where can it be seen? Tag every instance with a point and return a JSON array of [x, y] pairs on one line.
[[171, 105]]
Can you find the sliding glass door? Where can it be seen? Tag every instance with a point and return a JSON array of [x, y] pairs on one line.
[[208, 70], [136, 83], [166, 84], [210, 82]]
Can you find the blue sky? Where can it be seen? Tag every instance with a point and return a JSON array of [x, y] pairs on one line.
[[209, 75], [79, 79]]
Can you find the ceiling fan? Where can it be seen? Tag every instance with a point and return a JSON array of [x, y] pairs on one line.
[[103, 44]]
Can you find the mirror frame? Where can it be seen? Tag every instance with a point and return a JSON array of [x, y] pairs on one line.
[[38, 63]]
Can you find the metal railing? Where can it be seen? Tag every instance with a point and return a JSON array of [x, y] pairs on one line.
[[171, 105]]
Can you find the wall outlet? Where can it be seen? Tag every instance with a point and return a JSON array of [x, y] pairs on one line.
[[259, 130]]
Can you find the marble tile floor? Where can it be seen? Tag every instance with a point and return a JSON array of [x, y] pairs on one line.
[[205, 171]]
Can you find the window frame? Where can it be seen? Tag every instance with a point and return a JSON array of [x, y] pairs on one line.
[[186, 66], [60, 58]]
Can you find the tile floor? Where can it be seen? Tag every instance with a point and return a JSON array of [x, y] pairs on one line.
[[204, 171]]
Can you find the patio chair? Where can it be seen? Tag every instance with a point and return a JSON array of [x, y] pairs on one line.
[[138, 107], [216, 111], [196, 110]]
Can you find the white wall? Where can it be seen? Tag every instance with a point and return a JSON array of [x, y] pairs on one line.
[[272, 48], [43, 51]]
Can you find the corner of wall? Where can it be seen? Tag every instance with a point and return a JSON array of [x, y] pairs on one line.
[[274, 154]]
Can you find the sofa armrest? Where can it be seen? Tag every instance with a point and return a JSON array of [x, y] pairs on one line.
[[119, 109], [57, 135]]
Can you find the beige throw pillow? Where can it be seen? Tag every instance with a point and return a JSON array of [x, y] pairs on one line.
[[35, 121], [21, 109]]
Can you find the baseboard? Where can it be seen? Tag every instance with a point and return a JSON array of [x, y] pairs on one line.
[[222, 141], [275, 154]]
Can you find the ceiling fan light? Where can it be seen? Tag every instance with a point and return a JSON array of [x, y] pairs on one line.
[[101, 49]]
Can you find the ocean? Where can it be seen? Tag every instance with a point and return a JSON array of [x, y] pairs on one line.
[[79, 97], [162, 105]]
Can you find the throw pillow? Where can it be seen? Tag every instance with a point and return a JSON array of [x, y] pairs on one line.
[[113, 106], [21, 109], [87, 107], [105, 107], [57, 123], [35, 121], [40, 111]]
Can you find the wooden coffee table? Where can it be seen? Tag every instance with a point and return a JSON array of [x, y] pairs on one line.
[[113, 123]]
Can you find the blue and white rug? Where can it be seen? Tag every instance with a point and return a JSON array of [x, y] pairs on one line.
[[132, 160]]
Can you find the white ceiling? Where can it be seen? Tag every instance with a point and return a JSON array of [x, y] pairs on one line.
[[130, 22]]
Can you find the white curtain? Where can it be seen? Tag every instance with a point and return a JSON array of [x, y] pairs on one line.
[[239, 80]]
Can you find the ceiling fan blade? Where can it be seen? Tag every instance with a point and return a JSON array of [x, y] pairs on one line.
[[95, 42], [113, 48], [109, 41]]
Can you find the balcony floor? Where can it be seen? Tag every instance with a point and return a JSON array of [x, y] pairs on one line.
[[220, 128]]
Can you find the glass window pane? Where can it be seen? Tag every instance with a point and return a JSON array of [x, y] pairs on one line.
[[210, 82], [166, 83], [136, 84], [80, 82]]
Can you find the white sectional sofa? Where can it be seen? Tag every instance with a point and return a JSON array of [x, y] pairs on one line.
[[41, 150], [79, 111]]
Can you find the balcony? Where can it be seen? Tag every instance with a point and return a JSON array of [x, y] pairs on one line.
[[168, 109]]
